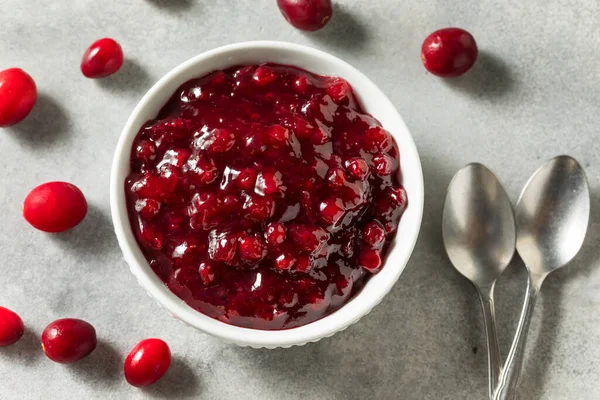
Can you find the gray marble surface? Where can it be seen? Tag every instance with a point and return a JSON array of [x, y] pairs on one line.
[[533, 94]]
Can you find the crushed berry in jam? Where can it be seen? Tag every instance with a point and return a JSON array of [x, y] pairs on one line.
[[263, 196]]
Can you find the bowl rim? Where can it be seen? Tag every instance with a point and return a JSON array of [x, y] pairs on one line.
[[350, 312]]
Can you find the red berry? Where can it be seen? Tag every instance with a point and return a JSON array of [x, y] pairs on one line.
[[175, 157], [55, 207], [103, 58], [259, 208], [222, 246], [303, 264], [374, 234], [207, 273], [147, 363], [449, 52], [155, 187], [204, 211], [11, 327], [321, 135], [302, 84], [264, 75], [251, 248], [230, 203], [147, 208], [150, 236], [384, 164], [397, 196], [285, 262], [145, 150], [68, 340], [246, 179], [336, 177], [340, 92], [370, 260], [269, 181], [216, 141], [18, 95], [309, 238], [358, 168], [307, 15], [379, 140], [200, 170], [332, 210], [277, 134], [275, 233]]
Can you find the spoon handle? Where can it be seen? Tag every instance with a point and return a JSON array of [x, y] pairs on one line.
[[491, 335], [509, 380]]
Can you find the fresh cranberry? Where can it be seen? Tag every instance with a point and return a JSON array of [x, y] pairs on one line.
[[449, 52], [68, 340], [11, 327], [268, 187], [103, 58], [275, 233], [55, 207], [18, 95], [147, 362], [370, 260], [306, 15]]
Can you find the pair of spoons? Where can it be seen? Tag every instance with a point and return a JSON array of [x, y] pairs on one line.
[[481, 231]]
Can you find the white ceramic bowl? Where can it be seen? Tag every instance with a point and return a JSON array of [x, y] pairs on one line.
[[373, 101]]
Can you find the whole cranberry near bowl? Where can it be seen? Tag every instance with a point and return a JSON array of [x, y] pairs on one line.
[[370, 99]]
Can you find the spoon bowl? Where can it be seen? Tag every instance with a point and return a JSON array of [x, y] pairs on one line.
[[478, 225], [552, 215], [478, 228]]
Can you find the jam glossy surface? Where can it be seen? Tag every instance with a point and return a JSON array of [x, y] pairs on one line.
[[263, 196]]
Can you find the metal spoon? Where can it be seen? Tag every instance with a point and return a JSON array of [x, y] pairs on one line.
[[552, 218], [478, 227]]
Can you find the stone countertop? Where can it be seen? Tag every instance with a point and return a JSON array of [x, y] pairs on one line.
[[533, 94]]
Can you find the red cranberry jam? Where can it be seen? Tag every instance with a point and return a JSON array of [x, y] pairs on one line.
[[263, 196]]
